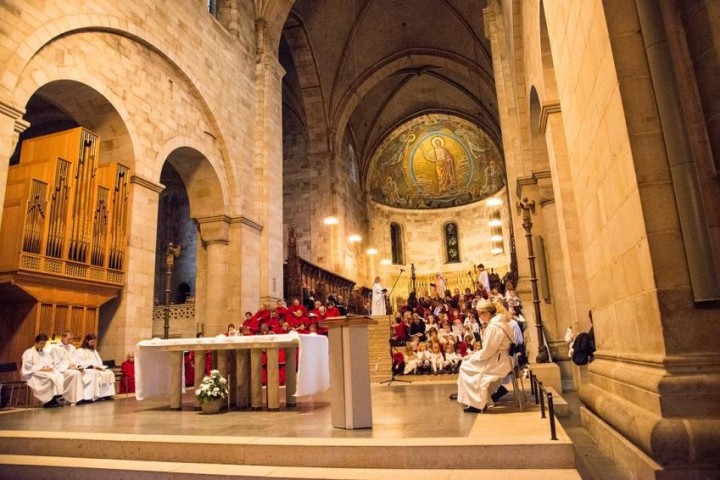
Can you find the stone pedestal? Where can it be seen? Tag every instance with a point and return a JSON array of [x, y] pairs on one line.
[[548, 374], [349, 372]]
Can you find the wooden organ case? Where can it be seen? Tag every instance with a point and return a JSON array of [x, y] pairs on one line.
[[63, 239]]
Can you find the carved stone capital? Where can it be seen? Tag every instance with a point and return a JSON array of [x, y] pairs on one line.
[[145, 183], [545, 111], [215, 229], [539, 179]]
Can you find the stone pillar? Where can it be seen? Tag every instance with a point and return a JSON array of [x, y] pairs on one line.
[[128, 319], [214, 234], [267, 181], [571, 244], [11, 126], [556, 311]]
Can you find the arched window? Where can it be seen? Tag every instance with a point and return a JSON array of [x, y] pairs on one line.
[[452, 243], [396, 244]]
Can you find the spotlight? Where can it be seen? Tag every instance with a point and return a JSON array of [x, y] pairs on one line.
[[330, 221], [371, 251], [494, 202], [495, 223], [385, 261], [354, 238]]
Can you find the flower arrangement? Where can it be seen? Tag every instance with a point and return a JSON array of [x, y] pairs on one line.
[[213, 387]]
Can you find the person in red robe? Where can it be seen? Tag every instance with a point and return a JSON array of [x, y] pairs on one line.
[[281, 311], [260, 317], [189, 363], [330, 311], [298, 315], [127, 377], [317, 318], [273, 323]]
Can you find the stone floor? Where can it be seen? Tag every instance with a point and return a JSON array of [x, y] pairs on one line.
[[400, 411]]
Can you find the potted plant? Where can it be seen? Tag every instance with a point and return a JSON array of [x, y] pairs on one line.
[[212, 392]]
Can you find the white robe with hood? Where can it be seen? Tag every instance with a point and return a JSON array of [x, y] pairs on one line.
[[482, 372]]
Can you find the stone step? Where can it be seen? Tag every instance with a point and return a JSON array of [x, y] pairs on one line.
[[21, 467], [528, 447], [562, 409]]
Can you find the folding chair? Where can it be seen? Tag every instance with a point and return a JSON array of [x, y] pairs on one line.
[[519, 392]]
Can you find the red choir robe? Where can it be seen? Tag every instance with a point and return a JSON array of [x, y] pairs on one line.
[[127, 379], [297, 315], [281, 313], [189, 363], [274, 324]]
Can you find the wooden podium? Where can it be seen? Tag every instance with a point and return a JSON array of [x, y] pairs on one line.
[[350, 371]]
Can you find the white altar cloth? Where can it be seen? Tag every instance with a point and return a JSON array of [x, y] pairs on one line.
[[153, 359]]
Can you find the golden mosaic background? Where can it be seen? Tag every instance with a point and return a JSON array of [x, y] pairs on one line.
[[435, 161]]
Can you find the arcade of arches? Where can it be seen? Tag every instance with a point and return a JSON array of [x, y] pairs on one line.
[[233, 126]]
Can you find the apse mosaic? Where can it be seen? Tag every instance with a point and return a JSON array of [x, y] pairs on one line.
[[435, 161]]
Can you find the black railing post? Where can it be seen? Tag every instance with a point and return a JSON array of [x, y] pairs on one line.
[[542, 401], [551, 413], [532, 383]]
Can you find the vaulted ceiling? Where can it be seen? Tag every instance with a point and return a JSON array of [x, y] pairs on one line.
[[364, 67]]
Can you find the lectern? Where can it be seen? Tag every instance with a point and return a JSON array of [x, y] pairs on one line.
[[350, 401]]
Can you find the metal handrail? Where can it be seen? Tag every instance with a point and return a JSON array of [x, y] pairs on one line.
[[539, 392]]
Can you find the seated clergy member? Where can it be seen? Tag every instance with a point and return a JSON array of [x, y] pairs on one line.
[[87, 377], [64, 363], [40, 374], [88, 358]]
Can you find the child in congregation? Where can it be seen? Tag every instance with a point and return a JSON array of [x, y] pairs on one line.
[[452, 358], [398, 361], [437, 360], [465, 347], [411, 362], [457, 329], [446, 333], [423, 357]]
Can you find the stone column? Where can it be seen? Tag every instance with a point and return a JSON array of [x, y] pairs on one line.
[[11, 126], [567, 219], [128, 319], [267, 181], [556, 311], [214, 234]]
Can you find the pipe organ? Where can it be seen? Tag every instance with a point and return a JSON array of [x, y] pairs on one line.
[[63, 239]]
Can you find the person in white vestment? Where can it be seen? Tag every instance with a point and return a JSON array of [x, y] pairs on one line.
[[75, 390], [40, 374], [483, 277], [518, 339], [89, 359], [482, 372], [378, 298]]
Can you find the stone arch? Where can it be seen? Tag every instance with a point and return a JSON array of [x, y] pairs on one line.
[[538, 146], [21, 89], [66, 98], [407, 59], [550, 91], [312, 100], [275, 13], [206, 192]]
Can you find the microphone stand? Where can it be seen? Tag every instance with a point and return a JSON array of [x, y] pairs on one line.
[[390, 346]]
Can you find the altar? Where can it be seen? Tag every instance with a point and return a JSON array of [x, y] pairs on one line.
[[159, 367]]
